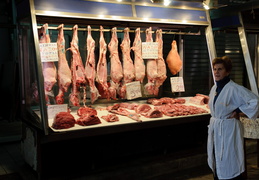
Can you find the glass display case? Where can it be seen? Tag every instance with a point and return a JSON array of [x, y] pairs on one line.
[[188, 18]]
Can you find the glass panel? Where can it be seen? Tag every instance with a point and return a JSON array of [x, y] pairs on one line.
[[29, 76]]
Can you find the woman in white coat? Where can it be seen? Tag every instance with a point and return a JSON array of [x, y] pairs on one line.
[[225, 134]]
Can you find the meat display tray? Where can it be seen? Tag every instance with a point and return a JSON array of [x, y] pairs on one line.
[[123, 120]]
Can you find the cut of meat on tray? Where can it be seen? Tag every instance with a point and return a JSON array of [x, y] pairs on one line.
[[142, 108], [179, 110], [153, 113], [130, 106], [77, 68], [147, 111], [165, 100], [87, 120], [49, 69], [86, 110], [64, 72], [206, 98], [101, 70], [110, 118], [124, 112], [173, 59], [199, 99], [90, 66], [63, 120]]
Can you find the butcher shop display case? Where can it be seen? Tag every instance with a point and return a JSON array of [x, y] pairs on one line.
[[98, 68]]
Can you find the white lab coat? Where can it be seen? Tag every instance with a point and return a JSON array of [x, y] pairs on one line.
[[225, 135]]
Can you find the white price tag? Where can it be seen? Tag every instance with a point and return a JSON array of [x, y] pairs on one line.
[[54, 109], [133, 90], [177, 84], [48, 52], [150, 50]]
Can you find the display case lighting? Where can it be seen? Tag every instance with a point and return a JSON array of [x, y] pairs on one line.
[[205, 6], [165, 2]]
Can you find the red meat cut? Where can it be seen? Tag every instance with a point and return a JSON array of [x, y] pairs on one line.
[[111, 118], [63, 120], [87, 120], [86, 110]]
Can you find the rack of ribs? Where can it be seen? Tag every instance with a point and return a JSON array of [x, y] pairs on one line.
[[64, 72]]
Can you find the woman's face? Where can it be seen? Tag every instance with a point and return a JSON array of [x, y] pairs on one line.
[[219, 72]]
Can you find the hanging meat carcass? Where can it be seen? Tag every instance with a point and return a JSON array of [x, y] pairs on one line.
[[128, 66], [173, 59], [90, 66], [151, 67], [101, 70], [140, 69], [77, 68], [116, 67], [161, 67], [64, 72], [49, 69]]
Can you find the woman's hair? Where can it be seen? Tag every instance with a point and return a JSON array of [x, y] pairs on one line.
[[226, 61]]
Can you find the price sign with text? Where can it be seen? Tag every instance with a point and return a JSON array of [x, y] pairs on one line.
[[54, 109], [48, 52], [133, 90], [150, 50], [177, 84]]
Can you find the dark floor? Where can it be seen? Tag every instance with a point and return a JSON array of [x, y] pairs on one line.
[[13, 167]]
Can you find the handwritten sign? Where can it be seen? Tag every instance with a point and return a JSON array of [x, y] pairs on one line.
[[133, 90], [177, 84], [48, 52], [150, 50], [54, 109]]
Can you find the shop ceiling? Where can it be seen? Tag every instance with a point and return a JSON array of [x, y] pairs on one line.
[[227, 12]]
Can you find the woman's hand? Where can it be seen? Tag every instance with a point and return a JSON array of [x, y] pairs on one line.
[[234, 115]]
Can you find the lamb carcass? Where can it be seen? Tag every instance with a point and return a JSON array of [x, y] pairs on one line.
[[49, 69], [173, 59], [101, 71], [90, 66], [161, 67], [77, 68], [128, 66], [151, 67], [116, 67], [139, 65], [64, 72]]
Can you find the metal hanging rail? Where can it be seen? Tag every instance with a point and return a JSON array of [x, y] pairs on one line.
[[121, 30]]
